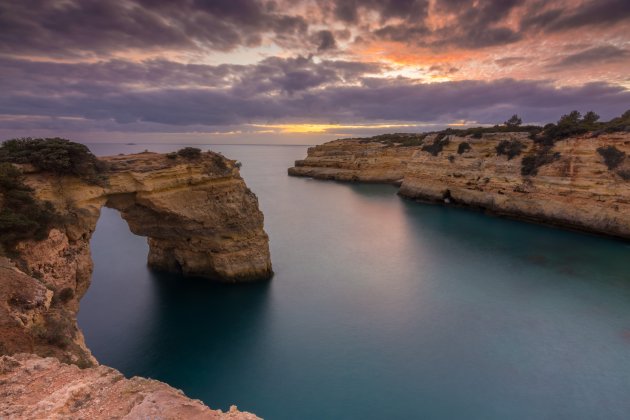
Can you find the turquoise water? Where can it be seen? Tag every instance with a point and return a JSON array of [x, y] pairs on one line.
[[380, 308]]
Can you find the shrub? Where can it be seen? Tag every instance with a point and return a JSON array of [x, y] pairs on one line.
[[514, 121], [543, 156], [612, 156], [590, 118], [219, 162], [63, 296], [624, 174], [573, 124], [171, 155], [568, 125], [510, 148], [189, 153], [57, 155], [58, 331], [621, 123], [463, 148], [21, 215], [438, 144]]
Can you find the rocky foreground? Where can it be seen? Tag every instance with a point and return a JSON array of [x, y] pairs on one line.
[[200, 219], [43, 388], [580, 182]]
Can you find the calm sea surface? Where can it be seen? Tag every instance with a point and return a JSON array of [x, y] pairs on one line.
[[380, 308]]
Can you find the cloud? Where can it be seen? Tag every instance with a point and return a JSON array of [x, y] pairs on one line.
[[596, 55], [476, 24], [83, 28], [82, 63], [590, 13], [326, 41], [509, 61], [125, 94], [350, 11], [96, 29]]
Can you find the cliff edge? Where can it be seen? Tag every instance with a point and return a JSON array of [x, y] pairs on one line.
[[44, 388], [200, 220], [579, 182]]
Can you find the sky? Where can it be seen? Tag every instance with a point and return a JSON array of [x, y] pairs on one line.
[[303, 71]]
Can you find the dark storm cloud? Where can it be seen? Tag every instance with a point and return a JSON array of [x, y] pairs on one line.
[[348, 10], [595, 55], [325, 40], [593, 13], [271, 75], [120, 94], [476, 24], [79, 27]]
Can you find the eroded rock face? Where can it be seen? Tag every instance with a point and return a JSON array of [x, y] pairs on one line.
[[200, 219], [44, 388], [199, 216], [352, 160], [575, 190]]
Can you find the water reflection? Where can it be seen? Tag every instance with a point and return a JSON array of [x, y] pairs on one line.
[[208, 330], [145, 322], [380, 308]]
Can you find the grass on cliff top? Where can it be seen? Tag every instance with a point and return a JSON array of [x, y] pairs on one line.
[[57, 155], [22, 216], [568, 125]]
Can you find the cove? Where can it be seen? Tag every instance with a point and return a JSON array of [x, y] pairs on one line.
[[379, 308]]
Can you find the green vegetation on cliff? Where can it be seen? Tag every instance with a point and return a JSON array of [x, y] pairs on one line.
[[510, 148], [21, 215], [57, 155], [612, 156], [571, 124]]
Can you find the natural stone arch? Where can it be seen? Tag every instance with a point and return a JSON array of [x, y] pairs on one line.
[[200, 218]]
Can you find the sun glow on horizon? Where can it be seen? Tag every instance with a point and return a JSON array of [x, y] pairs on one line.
[[323, 128]]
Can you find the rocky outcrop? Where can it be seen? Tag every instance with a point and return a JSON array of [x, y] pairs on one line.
[[574, 188], [355, 160], [200, 219], [199, 216], [44, 388]]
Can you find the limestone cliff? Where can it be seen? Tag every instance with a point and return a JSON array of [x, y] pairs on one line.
[[571, 184], [200, 219], [38, 388], [199, 216], [355, 160]]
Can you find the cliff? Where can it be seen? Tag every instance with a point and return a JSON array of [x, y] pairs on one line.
[[38, 388], [355, 160], [199, 216], [580, 182], [200, 219]]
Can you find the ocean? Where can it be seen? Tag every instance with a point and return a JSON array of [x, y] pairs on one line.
[[380, 308]]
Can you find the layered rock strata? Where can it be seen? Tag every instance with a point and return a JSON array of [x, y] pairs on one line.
[[200, 219], [574, 188], [355, 160], [44, 388]]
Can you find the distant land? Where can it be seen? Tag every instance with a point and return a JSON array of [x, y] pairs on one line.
[[574, 173]]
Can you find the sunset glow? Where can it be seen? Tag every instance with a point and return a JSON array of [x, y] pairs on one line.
[[260, 68]]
